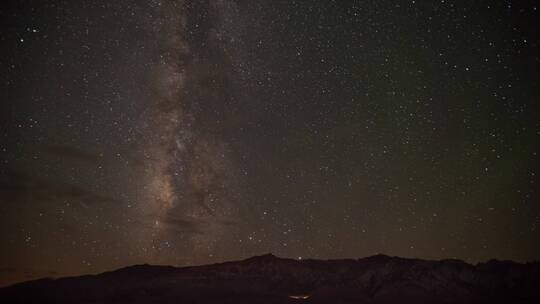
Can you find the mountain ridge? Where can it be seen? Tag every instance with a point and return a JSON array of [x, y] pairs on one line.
[[270, 279]]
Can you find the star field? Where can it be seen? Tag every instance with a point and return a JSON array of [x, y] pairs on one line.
[[192, 132]]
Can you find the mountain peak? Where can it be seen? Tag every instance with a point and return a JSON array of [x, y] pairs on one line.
[[264, 257]]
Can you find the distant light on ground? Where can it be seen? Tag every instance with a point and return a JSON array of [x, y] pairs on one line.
[[300, 297]]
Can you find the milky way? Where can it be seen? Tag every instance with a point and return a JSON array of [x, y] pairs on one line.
[[191, 197], [192, 132]]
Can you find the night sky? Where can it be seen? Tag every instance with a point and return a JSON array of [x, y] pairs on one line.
[[193, 132]]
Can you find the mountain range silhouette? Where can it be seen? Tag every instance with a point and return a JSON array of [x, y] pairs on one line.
[[269, 279]]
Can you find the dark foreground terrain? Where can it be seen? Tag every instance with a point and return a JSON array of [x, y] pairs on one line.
[[268, 279]]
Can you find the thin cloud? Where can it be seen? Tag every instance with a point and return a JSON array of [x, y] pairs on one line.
[[19, 187], [67, 152]]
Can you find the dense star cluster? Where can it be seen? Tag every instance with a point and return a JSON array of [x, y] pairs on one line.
[[190, 132]]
